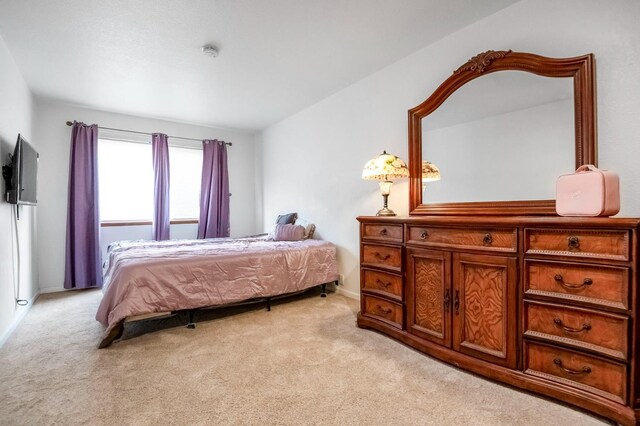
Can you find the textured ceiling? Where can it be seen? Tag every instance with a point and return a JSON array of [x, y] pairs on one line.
[[276, 57]]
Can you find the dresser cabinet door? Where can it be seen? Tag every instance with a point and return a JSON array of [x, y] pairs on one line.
[[484, 307], [429, 295]]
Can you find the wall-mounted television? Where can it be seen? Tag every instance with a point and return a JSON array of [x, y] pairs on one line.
[[21, 175]]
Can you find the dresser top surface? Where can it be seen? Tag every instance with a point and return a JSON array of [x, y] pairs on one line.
[[541, 221]]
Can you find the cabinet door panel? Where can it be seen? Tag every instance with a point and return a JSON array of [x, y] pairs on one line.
[[429, 295], [484, 307]]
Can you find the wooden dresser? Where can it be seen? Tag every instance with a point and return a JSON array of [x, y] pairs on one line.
[[547, 304]]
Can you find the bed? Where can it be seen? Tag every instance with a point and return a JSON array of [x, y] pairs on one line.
[[145, 278]]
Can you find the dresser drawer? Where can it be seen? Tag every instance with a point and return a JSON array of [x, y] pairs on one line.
[[382, 310], [382, 257], [596, 285], [582, 328], [382, 283], [383, 232], [583, 243], [503, 240], [589, 373]]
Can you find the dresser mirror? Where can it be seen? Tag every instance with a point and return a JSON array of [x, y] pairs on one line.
[[500, 130]]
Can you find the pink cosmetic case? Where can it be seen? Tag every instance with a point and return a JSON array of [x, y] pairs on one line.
[[588, 192]]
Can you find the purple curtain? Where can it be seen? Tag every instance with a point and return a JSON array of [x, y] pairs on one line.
[[214, 191], [160, 149], [82, 262]]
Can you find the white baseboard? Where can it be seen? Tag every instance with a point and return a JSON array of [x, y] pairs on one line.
[[52, 290], [347, 293], [21, 312]]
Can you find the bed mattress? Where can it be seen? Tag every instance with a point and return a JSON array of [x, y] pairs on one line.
[[147, 276]]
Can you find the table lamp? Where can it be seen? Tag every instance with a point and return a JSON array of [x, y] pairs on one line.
[[430, 172], [384, 168]]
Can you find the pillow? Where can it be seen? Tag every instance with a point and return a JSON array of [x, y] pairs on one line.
[[272, 232], [288, 232], [286, 218], [309, 228]]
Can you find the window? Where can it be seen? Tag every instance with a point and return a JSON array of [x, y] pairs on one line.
[[125, 173], [185, 173], [125, 178]]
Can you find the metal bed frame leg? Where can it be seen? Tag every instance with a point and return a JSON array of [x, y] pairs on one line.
[[324, 290], [115, 333], [269, 304], [190, 323]]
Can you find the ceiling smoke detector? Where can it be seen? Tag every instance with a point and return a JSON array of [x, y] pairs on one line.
[[210, 50]]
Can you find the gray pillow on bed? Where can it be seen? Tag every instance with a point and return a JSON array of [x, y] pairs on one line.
[[288, 232], [283, 219]]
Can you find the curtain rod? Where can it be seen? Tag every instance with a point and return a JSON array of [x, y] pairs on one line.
[[69, 123]]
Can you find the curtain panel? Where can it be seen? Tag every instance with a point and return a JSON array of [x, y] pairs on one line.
[[214, 191], [82, 255], [160, 152]]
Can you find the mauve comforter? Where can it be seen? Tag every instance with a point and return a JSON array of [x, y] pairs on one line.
[[147, 276]]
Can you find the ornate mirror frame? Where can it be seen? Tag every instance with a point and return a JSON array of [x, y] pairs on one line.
[[580, 68]]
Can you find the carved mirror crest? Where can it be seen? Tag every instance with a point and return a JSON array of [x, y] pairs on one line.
[[500, 141]]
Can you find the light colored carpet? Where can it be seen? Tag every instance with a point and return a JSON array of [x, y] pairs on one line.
[[305, 362]]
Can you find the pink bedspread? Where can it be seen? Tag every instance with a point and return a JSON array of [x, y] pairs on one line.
[[147, 277]]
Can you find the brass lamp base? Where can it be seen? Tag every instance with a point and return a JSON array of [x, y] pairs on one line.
[[385, 212]]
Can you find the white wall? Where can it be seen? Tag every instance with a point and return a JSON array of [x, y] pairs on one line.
[[53, 136], [15, 117], [312, 161]]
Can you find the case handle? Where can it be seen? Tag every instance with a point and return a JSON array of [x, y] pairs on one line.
[[383, 283], [447, 300], [585, 327], [587, 167], [383, 311], [584, 370], [560, 280], [381, 257], [573, 243]]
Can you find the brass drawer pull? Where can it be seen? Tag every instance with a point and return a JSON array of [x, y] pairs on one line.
[[447, 300], [584, 370], [383, 311], [383, 231], [573, 243], [424, 235], [382, 283], [560, 280], [585, 327], [487, 239], [381, 257], [456, 302]]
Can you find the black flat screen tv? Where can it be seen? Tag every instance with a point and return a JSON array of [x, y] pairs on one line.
[[22, 174]]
